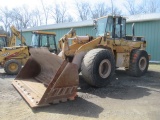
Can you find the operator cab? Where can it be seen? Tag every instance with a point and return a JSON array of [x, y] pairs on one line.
[[3, 41], [114, 27], [44, 39]]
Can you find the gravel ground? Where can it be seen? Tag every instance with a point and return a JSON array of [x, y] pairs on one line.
[[126, 98]]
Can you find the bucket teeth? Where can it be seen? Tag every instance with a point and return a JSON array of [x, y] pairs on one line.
[[46, 78]]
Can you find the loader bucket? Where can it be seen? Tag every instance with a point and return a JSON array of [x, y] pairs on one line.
[[46, 78]]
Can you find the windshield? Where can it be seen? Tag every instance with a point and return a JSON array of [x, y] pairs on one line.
[[2, 42], [101, 26], [34, 40], [109, 26], [44, 40]]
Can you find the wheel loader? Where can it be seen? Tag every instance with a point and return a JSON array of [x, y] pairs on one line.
[[48, 78]]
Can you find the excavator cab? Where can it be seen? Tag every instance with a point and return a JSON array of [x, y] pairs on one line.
[[3, 41], [44, 39]]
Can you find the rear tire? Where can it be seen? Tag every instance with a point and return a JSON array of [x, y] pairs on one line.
[[139, 62], [12, 67], [98, 66]]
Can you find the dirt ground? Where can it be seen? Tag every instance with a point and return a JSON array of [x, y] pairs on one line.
[[126, 98]]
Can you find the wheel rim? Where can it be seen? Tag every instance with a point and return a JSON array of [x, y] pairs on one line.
[[105, 68], [142, 63], [13, 67]]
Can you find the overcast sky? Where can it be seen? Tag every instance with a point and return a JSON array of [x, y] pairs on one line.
[[37, 3], [69, 3]]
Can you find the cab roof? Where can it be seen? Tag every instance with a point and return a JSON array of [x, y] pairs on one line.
[[44, 32], [3, 35]]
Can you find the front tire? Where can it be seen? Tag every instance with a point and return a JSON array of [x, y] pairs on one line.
[[139, 62], [12, 67], [98, 66]]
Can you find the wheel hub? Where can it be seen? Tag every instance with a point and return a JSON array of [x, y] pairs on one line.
[[13, 67], [142, 63], [105, 68]]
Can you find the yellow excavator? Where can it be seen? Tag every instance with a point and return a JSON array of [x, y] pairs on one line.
[[6, 41], [14, 35], [49, 78]]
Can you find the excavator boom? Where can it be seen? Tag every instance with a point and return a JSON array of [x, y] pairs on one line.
[[17, 34]]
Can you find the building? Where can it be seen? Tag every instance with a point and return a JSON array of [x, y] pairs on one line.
[[82, 28], [147, 25]]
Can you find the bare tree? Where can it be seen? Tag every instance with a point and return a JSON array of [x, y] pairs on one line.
[[83, 9], [46, 11], [59, 13], [5, 17], [69, 18], [131, 7], [21, 17], [116, 11], [99, 10], [112, 7], [149, 6], [56, 13], [36, 18], [153, 6], [63, 11]]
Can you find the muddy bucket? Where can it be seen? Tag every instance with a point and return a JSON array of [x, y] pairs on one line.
[[46, 78]]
